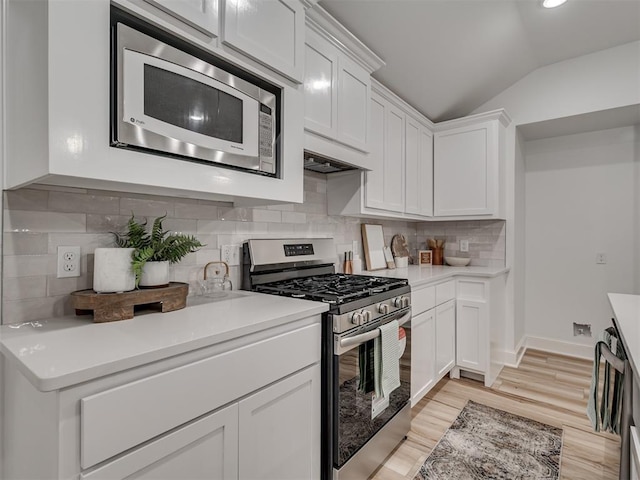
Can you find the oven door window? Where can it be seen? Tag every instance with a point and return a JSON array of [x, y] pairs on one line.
[[182, 104], [355, 422]]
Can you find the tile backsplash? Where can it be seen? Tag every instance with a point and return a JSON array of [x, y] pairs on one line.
[[38, 219]]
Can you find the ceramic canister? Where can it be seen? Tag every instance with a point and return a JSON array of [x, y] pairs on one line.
[[112, 270]]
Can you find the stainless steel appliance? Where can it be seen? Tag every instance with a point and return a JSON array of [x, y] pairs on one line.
[[186, 103], [357, 432]]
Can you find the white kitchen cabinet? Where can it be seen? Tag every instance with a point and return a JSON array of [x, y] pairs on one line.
[[423, 354], [471, 344], [206, 448], [199, 14], [384, 186], [58, 133], [469, 166], [445, 338], [238, 409], [337, 89], [399, 184], [271, 33], [279, 439], [481, 324], [418, 168]]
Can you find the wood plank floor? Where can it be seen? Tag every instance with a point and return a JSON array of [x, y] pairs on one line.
[[549, 388]]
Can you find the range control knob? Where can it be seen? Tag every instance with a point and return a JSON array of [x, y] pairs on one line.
[[401, 302], [366, 315], [383, 308], [357, 318]]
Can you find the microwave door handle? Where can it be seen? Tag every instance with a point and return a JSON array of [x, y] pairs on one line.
[[365, 337]]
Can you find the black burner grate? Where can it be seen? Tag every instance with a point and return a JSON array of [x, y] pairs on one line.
[[335, 289]]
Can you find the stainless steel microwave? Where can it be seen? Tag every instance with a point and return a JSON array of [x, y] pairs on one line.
[[170, 102]]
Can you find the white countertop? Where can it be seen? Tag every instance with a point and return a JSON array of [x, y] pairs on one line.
[[626, 310], [422, 275], [61, 352]]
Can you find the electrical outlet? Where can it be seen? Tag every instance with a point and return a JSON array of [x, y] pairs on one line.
[[68, 262], [601, 258], [464, 245], [230, 254]]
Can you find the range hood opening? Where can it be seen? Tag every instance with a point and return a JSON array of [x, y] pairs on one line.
[[320, 164]]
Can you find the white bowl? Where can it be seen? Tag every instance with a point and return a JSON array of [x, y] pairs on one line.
[[457, 261]]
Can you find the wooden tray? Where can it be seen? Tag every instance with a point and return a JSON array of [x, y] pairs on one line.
[[109, 307]]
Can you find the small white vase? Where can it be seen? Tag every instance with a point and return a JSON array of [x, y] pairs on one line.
[[155, 274], [112, 270]]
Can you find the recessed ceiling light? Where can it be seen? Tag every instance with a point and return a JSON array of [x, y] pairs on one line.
[[552, 3]]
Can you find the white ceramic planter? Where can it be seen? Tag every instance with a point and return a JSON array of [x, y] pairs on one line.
[[155, 274], [112, 270]]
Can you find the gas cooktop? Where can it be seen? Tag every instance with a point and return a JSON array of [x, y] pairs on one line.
[[334, 288]]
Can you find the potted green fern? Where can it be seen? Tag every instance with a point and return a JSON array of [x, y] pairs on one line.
[[154, 250]]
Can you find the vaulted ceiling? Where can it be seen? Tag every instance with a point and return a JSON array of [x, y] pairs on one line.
[[448, 57]]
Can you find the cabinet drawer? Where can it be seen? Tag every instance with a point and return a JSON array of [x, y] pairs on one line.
[[423, 300], [472, 290], [121, 418], [445, 291]]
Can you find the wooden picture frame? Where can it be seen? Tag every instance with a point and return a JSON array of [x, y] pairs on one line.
[[424, 257], [373, 246]]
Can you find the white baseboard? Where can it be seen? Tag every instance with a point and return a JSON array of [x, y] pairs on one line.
[[512, 358], [560, 347]]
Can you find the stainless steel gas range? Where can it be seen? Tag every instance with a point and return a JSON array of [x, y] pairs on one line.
[[358, 429]]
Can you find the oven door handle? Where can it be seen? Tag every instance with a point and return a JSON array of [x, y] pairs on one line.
[[365, 337]]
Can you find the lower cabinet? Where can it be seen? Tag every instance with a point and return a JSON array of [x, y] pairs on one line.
[[423, 354], [445, 337], [207, 448], [278, 437], [248, 408], [472, 351]]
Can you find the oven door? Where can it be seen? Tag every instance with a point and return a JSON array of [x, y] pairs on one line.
[[358, 415]]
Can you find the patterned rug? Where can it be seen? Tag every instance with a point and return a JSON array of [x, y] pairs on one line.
[[485, 443]]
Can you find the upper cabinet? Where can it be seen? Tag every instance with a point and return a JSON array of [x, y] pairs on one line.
[[58, 122], [337, 89], [469, 166], [271, 33], [400, 180], [200, 14]]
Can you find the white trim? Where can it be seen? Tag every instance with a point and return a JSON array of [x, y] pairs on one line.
[[513, 357], [560, 347]]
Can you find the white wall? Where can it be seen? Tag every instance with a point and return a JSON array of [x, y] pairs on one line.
[[598, 81], [581, 199], [520, 241]]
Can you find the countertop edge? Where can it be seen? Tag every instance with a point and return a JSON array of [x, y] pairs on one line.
[[53, 383]]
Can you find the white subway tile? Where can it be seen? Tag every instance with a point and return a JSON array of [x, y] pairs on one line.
[[26, 199], [272, 216], [87, 242], [28, 221], [239, 214], [28, 266], [77, 202], [25, 287], [25, 243], [294, 217], [35, 309], [213, 227], [146, 207], [64, 286], [196, 211]]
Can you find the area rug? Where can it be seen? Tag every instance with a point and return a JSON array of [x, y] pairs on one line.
[[486, 443]]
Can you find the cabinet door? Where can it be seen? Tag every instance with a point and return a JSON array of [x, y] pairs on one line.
[[280, 429], [354, 91], [465, 170], [320, 81], [471, 352], [207, 448], [423, 354], [394, 160], [418, 169], [271, 33], [445, 337], [374, 179], [200, 14]]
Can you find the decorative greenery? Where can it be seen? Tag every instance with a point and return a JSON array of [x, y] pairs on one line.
[[155, 246]]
